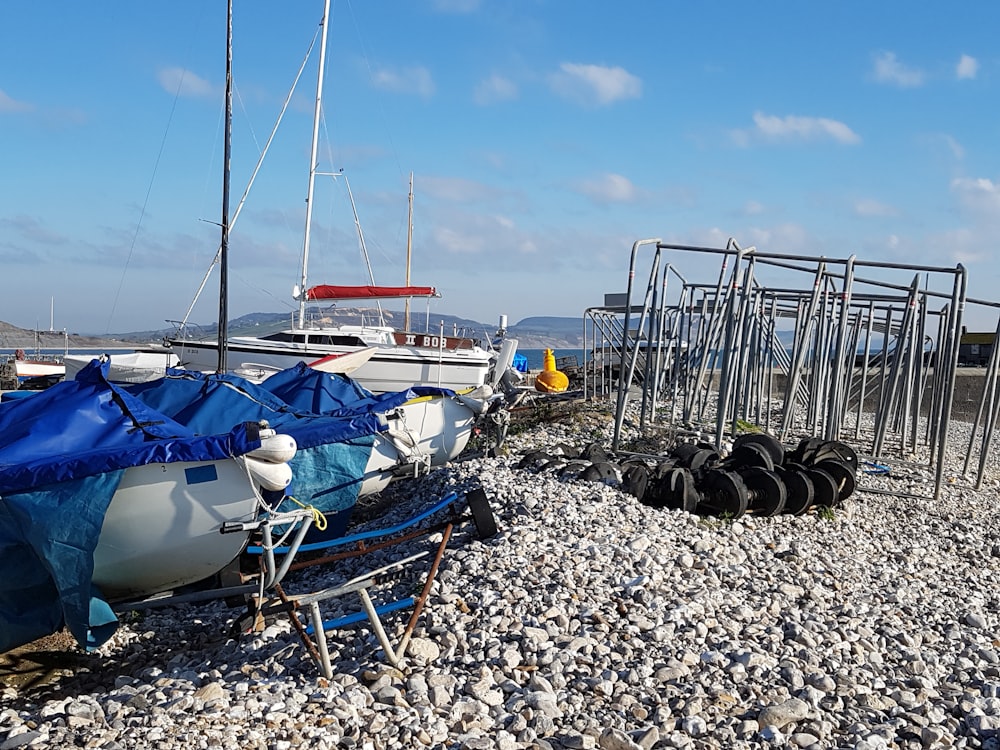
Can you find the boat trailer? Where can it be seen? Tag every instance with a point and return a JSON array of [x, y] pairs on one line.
[[264, 596]]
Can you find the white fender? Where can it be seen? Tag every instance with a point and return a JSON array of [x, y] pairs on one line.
[[274, 448], [269, 475]]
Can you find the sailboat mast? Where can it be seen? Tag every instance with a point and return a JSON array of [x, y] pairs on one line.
[[317, 113], [224, 247], [409, 247]]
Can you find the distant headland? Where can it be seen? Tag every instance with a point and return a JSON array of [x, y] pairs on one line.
[[539, 332]]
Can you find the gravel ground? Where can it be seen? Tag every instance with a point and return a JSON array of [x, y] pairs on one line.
[[589, 620]]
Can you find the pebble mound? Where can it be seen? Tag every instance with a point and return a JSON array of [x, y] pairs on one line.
[[591, 621]]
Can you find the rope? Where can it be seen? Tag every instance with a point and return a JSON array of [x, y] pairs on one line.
[[319, 520]]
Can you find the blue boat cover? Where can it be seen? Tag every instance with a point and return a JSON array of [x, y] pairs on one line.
[[62, 454], [318, 392], [332, 418], [208, 403]]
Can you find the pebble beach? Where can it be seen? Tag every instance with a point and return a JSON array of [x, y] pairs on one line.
[[588, 621]]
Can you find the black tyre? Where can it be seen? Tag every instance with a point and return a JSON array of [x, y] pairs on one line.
[[769, 443]]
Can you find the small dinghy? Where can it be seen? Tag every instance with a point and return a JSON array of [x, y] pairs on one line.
[[102, 497], [351, 443]]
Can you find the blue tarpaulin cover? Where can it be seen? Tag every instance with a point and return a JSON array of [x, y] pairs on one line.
[[208, 403], [62, 454], [331, 417], [319, 392], [329, 465]]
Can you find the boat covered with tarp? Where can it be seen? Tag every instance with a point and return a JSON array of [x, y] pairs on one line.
[[348, 444], [427, 423], [65, 531]]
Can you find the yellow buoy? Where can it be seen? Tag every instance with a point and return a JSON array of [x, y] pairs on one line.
[[550, 380]]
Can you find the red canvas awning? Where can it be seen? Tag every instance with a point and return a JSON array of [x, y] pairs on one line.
[[329, 292]]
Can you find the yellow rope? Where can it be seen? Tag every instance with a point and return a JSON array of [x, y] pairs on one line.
[[319, 520]]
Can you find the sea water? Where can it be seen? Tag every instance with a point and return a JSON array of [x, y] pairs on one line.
[[536, 357], [56, 353]]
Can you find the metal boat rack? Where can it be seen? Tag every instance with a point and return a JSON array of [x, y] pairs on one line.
[[756, 346], [264, 596]]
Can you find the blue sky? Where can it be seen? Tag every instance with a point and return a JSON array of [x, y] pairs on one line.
[[544, 139]]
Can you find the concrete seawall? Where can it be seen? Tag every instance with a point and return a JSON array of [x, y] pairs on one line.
[[969, 385]]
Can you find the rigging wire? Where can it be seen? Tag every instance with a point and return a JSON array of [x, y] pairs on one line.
[[371, 78], [381, 105], [253, 176], [149, 189]]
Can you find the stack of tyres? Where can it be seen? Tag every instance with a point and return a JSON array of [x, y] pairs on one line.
[[757, 477]]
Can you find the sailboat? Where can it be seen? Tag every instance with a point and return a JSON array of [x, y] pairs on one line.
[[349, 442], [400, 359]]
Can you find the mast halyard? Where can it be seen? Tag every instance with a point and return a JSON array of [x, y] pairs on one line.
[[317, 113], [224, 248], [409, 247]]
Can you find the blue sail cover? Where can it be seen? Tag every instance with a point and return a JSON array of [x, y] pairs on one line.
[[62, 454], [333, 449], [318, 392]]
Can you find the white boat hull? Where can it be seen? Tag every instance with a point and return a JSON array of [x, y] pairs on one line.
[[30, 368], [390, 368], [423, 433], [443, 425], [126, 367], [344, 364], [161, 530]]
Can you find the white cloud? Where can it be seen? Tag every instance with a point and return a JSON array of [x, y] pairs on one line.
[[962, 245], [955, 147], [595, 85], [740, 138], [608, 188], [781, 238], [452, 230], [979, 195], [793, 127], [458, 190], [495, 159], [889, 70], [494, 89], [30, 228], [457, 241], [183, 82], [967, 67], [872, 208], [415, 80], [752, 208], [9, 104]]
